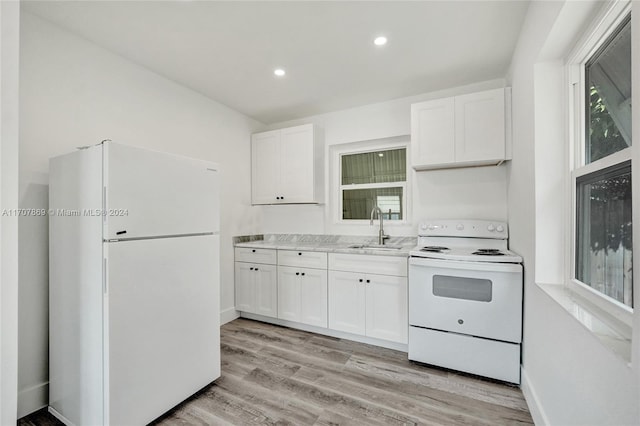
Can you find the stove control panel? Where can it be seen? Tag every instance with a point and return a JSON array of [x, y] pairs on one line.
[[463, 228]]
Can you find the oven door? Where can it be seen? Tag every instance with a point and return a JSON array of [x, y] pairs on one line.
[[474, 298]]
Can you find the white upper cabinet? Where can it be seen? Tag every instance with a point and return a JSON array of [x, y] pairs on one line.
[[432, 132], [480, 130], [287, 166], [265, 161], [460, 131]]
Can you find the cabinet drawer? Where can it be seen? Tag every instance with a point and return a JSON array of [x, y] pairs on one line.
[[368, 264], [302, 259], [256, 255]]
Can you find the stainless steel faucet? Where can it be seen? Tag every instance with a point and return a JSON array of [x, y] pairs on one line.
[[381, 236]]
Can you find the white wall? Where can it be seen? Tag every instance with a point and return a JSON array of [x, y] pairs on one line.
[[570, 378], [9, 45], [463, 193], [74, 93]]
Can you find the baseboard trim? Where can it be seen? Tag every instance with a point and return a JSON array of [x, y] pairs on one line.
[[60, 417], [328, 332], [228, 315], [530, 395], [33, 399]]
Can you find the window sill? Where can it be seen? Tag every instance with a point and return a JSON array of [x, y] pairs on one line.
[[610, 331]]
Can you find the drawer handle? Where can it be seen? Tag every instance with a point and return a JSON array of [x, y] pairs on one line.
[[299, 254], [460, 321], [253, 251]]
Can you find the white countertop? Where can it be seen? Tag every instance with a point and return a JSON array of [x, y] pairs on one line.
[[331, 244]]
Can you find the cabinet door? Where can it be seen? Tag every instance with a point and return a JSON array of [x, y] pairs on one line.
[[387, 308], [480, 135], [266, 290], [245, 279], [432, 133], [297, 164], [347, 302], [289, 293], [265, 167], [313, 297]]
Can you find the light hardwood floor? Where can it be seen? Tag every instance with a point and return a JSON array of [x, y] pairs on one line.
[[277, 375]]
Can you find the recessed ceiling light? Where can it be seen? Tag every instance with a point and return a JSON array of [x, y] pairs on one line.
[[380, 41], [279, 72]]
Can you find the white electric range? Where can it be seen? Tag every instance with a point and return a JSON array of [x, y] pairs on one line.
[[465, 298]]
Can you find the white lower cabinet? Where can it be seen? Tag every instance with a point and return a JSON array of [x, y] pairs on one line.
[[387, 308], [256, 289], [363, 295], [347, 307], [369, 304], [302, 295]]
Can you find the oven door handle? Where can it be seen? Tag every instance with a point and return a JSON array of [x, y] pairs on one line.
[[465, 266]]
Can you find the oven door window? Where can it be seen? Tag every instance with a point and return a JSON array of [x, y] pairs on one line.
[[478, 290]]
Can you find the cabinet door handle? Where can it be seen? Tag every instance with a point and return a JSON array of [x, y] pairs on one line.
[[368, 281], [251, 269], [303, 274], [297, 273], [253, 251], [299, 254], [360, 280], [255, 269]]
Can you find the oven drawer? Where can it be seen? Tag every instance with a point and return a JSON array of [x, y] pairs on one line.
[[467, 297], [488, 358]]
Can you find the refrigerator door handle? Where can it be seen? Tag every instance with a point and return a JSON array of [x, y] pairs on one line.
[[104, 203], [104, 275]]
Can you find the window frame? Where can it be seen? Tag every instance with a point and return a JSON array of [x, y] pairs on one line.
[[373, 146], [593, 39]]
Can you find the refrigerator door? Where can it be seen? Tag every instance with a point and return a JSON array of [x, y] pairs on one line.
[[150, 194], [162, 325]]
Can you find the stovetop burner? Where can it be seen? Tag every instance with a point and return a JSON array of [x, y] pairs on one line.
[[488, 252], [434, 249]]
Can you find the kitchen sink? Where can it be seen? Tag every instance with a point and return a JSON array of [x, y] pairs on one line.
[[375, 247]]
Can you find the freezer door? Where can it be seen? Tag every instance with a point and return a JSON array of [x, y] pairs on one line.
[[163, 325], [150, 193]]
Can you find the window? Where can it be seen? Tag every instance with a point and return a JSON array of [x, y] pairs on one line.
[[373, 178], [603, 168]]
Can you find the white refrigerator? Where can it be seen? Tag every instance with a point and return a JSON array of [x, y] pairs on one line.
[[134, 323]]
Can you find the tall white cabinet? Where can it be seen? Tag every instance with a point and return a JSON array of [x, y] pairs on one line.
[[461, 131], [287, 166]]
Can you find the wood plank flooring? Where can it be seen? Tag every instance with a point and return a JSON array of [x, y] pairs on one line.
[[276, 375]]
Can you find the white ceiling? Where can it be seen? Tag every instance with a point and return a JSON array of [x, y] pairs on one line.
[[228, 50]]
